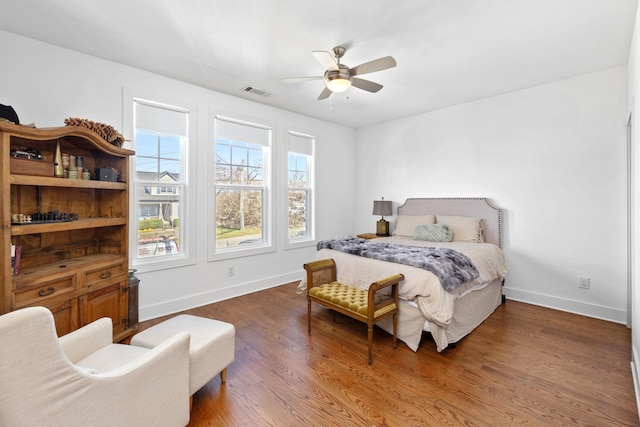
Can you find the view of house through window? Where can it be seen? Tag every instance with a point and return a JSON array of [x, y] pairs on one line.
[[241, 183], [300, 161], [160, 143]]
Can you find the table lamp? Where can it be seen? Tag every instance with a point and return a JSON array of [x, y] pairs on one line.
[[382, 208]]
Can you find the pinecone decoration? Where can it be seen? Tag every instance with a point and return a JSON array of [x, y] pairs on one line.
[[107, 132]]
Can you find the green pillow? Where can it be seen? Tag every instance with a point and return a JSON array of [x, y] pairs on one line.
[[433, 232]]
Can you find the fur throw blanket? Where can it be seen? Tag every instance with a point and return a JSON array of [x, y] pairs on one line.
[[451, 267]]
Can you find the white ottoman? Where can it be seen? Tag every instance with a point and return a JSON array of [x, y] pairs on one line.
[[211, 348]]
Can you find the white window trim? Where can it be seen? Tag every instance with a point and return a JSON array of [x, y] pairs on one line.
[[187, 255], [268, 245], [311, 240]]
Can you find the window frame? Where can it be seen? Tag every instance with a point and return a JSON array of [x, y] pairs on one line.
[[187, 198], [311, 163], [267, 246]]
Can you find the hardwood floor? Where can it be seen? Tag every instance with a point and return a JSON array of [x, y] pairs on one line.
[[525, 365]]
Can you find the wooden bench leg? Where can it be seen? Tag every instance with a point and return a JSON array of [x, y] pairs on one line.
[[308, 315], [370, 338], [395, 329], [223, 375]]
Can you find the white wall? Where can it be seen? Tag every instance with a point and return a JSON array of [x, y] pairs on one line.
[[553, 156], [46, 84], [633, 94]]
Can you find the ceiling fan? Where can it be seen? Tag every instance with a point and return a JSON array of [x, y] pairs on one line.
[[339, 77]]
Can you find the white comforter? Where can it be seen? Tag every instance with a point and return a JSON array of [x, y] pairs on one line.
[[420, 285]]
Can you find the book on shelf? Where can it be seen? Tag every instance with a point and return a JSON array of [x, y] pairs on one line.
[[16, 263], [16, 251]]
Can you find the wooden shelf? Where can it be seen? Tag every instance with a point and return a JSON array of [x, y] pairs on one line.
[[70, 183], [80, 224]]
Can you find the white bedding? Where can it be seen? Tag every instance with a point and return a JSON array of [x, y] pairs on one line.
[[487, 258], [421, 286]]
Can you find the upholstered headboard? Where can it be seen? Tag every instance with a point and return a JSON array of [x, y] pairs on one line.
[[477, 207]]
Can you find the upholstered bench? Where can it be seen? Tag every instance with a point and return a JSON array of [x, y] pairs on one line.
[[211, 348], [366, 305]]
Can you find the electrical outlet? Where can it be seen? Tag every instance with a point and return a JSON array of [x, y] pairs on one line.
[[584, 282], [231, 271]]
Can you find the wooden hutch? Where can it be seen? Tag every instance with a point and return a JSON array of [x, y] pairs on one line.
[[75, 263]]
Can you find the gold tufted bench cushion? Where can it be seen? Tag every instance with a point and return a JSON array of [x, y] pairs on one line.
[[350, 298]]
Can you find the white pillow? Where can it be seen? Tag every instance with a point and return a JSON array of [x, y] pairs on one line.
[[405, 224], [465, 228]]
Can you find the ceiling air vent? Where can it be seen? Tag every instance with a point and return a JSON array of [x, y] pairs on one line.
[[256, 91]]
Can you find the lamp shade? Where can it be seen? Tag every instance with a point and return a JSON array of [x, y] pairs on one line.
[[338, 85], [382, 207]]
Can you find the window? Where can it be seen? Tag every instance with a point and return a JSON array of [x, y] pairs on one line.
[[160, 142], [241, 184], [299, 177], [167, 190]]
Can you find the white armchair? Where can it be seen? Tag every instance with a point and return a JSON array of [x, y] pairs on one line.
[[84, 379]]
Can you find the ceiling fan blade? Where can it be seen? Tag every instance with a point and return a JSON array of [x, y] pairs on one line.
[[326, 60], [325, 94], [375, 65], [300, 79], [366, 85]]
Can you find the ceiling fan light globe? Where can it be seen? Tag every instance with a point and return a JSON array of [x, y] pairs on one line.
[[338, 85]]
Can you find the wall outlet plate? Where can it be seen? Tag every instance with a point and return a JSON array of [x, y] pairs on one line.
[[584, 282]]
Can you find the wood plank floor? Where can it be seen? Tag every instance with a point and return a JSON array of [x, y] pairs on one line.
[[525, 365]]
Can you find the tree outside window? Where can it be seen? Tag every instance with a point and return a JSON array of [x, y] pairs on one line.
[[241, 184], [299, 177]]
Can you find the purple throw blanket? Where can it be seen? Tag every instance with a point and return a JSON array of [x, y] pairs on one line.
[[451, 267]]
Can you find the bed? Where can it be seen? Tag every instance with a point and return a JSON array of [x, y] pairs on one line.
[[476, 228]]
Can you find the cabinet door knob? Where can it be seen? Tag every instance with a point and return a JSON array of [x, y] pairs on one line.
[[48, 291], [105, 275]]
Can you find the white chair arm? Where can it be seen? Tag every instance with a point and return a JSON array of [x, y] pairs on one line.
[[164, 350], [82, 342], [152, 390]]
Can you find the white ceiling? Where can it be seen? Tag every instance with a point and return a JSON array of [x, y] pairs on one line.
[[448, 51]]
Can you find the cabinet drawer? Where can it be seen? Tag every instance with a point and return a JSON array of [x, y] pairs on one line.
[[99, 275], [43, 292], [108, 302]]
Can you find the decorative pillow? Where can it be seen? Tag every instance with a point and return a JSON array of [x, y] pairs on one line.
[[406, 223], [433, 232], [465, 228]]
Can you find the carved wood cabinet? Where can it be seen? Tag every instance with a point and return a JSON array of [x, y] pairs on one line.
[[75, 264]]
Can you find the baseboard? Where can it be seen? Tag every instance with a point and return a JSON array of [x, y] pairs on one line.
[[192, 301], [571, 306]]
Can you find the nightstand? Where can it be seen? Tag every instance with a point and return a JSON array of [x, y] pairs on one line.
[[369, 236]]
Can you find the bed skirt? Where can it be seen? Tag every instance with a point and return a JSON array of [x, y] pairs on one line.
[[469, 312]]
